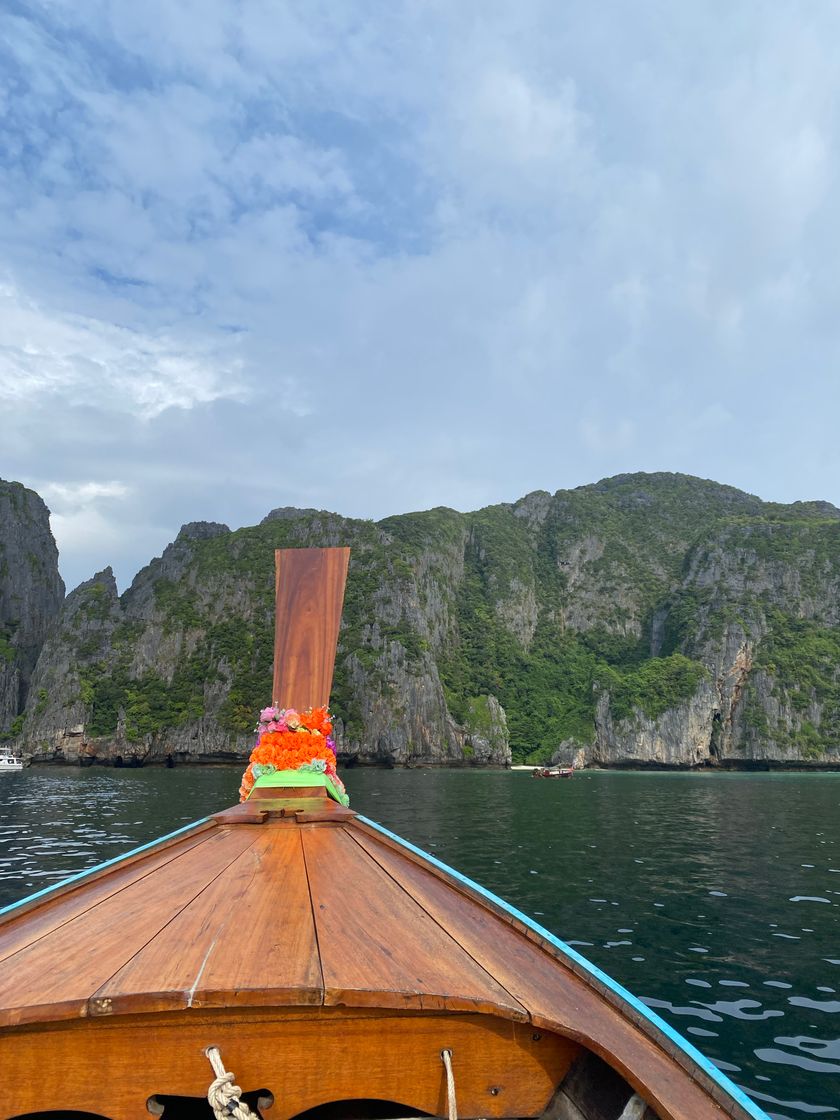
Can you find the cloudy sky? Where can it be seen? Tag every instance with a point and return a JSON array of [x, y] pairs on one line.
[[379, 256]]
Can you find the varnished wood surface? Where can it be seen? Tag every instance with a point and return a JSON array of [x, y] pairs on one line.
[[111, 1068], [379, 947], [56, 975], [237, 937], [556, 998], [304, 911], [34, 919], [309, 594]]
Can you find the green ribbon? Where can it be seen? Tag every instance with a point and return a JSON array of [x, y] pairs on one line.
[[300, 778]]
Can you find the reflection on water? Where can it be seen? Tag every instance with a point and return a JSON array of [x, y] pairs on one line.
[[54, 822], [714, 897]]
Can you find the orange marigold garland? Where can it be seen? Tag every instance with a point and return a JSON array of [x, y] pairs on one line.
[[290, 740]]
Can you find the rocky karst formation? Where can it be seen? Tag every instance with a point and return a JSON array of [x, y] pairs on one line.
[[31, 593], [646, 620]]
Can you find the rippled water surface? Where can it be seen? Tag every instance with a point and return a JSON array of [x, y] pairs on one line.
[[714, 897]]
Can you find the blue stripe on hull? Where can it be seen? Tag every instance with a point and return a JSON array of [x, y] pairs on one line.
[[687, 1048], [100, 867]]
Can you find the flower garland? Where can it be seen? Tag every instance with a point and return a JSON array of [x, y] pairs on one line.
[[290, 740]]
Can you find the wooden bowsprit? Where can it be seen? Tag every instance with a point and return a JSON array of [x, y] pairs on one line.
[[295, 748], [309, 594]]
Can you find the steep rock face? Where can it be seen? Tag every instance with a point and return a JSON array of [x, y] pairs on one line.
[[31, 592], [397, 717], [646, 620], [758, 608], [179, 665], [678, 738], [56, 717]]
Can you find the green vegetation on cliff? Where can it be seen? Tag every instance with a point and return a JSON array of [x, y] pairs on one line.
[[548, 685], [635, 587]]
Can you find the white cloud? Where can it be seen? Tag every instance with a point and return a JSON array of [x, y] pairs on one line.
[[65, 496], [511, 123], [86, 523], [86, 361], [380, 256]]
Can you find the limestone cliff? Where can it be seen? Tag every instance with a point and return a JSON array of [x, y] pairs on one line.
[[179, 665], [646, 620], [757, 606], [31, 592]]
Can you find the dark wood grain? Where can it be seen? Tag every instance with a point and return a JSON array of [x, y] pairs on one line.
[[249, 932], [555, 997], [55, 976], [309, 594], [111, 1067], [268, 954], [378, 946], [21, 928]]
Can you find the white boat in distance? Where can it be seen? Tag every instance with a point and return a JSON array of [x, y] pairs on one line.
[[9, 761]]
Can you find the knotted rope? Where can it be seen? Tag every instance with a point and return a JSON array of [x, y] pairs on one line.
[[223, 1096]]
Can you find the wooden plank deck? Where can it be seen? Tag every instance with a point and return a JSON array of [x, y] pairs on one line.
[[57, 974], [300, 938], [243, 927], [294, 913], [379, 947]]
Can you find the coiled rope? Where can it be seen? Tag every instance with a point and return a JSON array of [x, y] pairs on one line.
[[223, 1096]]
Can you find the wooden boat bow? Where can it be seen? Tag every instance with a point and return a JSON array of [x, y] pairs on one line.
[[329, 962]]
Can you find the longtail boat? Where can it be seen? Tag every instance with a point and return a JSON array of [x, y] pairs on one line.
[[288, 957]]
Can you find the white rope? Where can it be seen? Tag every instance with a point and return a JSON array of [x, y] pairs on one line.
[[452, 1104], [223, 1096], [446, 1055]]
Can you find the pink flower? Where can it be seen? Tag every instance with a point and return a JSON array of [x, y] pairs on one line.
[[267, 714], [275, 725], [292, 719]]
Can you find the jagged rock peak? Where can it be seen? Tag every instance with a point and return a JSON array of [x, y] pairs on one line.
[[646, 620], [20, 495], [292, 513], [105, 578], [826, 509], [534, 507], [201, 530]]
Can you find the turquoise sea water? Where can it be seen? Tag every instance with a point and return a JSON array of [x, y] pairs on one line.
[[714, 897]]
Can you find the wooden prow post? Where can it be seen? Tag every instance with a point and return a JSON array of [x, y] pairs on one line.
[[309, 594]]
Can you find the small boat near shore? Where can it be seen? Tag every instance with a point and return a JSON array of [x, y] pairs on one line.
[[547, 772], [9, 761], [290, 958]]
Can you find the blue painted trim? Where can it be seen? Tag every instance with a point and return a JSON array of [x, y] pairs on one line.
[[100, 867], [687, 1048]]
